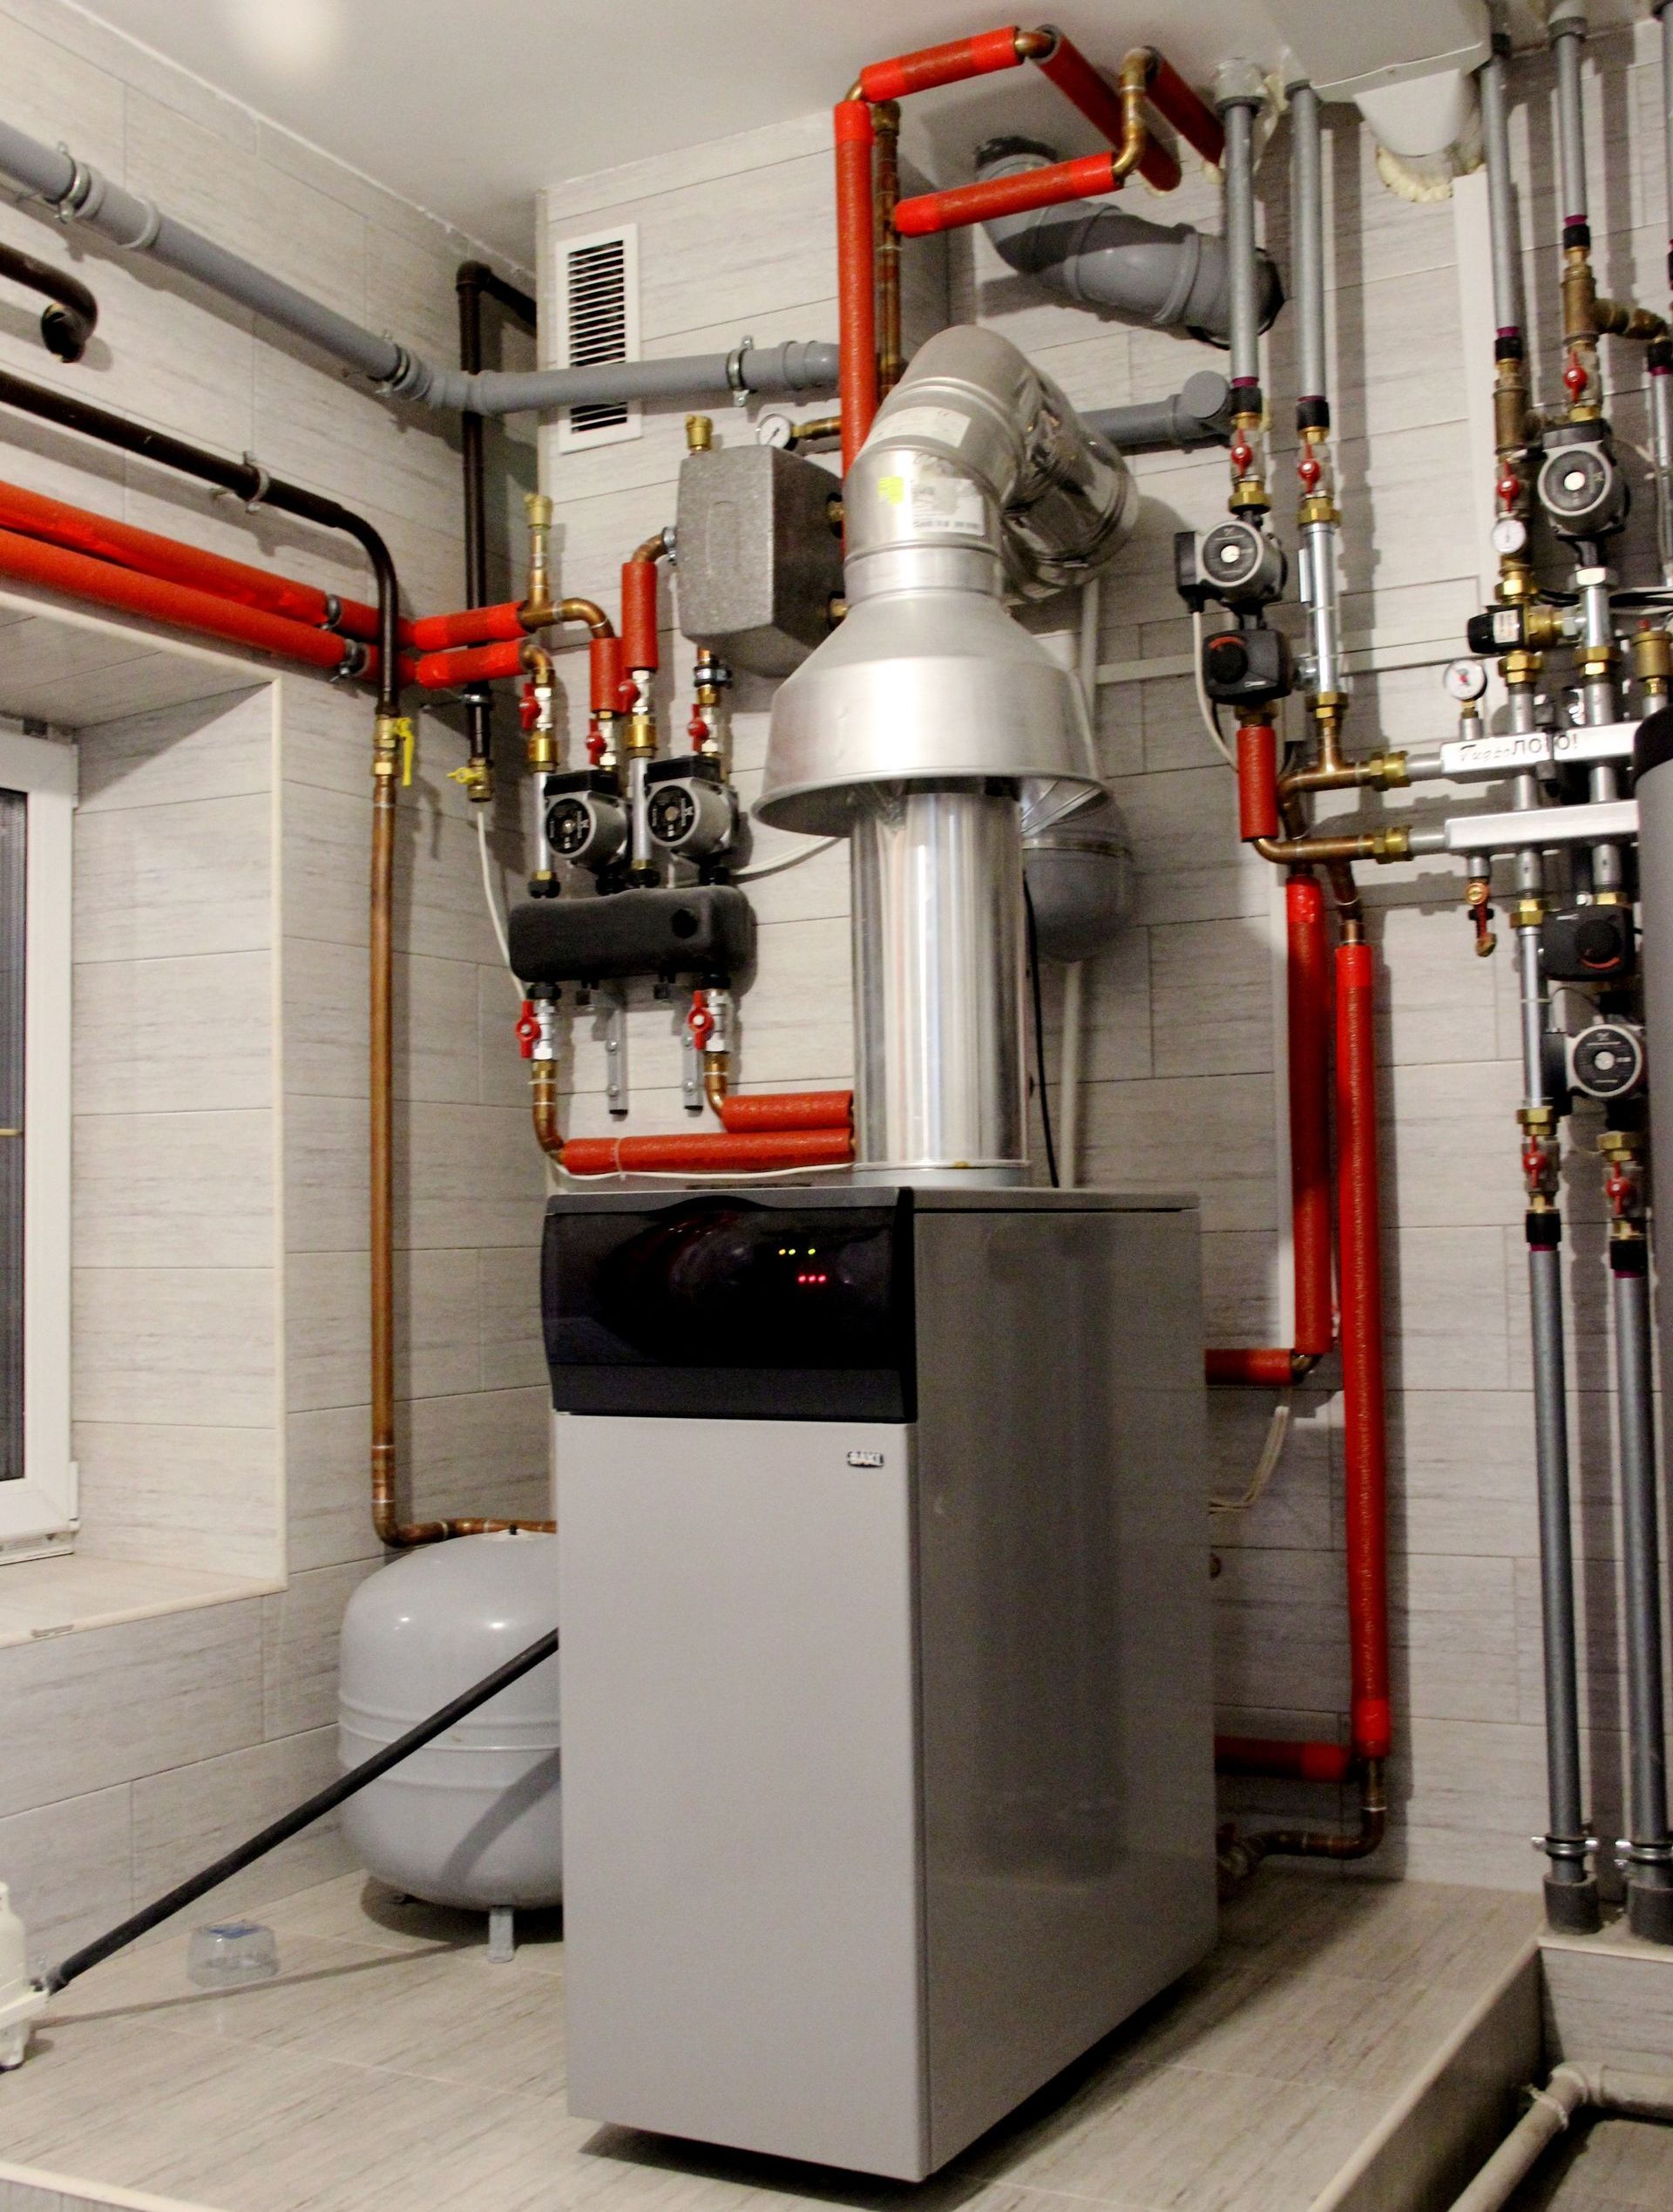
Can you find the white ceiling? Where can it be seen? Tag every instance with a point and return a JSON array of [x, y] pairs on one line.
[[468, 111]]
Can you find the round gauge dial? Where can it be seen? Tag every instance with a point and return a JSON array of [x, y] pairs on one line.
[[1509, 534], [1465, 680]]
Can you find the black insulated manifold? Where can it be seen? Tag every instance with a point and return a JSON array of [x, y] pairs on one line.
[[706, 929]]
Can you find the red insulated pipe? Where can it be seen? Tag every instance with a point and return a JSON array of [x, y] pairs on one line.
[[1279, 1756], [713, 1152], [179, 606], [777, 1109], [1364, 1417], [472, 664], [471, 625], [1190, 115], [1257, 780], [604, 669], [980, 203], [1268, 1365], [1308, 995], [169, 561], [950, 65], [639, 645], [856, 301], [1080, 84]]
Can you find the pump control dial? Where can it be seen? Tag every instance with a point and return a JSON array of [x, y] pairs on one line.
[[1463, 681]]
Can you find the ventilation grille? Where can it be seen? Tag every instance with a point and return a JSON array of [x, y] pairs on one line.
[[598, 321]]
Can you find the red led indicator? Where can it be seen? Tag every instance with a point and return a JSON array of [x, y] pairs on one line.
[[807, 1276]]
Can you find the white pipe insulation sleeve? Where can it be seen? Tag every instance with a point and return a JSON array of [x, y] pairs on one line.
[[1428, 131]]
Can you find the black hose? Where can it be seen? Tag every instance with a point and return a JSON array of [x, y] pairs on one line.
[[70, 322], [247, 480], [299, 1816], [1040, 1032], [473, 282]]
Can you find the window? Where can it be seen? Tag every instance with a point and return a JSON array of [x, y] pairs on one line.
[[38, 1491]]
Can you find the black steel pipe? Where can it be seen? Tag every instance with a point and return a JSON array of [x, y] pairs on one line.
[[247, 481], [474, 281], [299, 1816], [70, 322]]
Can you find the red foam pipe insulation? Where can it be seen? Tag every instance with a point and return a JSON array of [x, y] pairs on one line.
[[1257, 780], [713, 1152], [978, 203], [1267, 1364], [774, 1109], [604, 670], [470, 664], [1080, 84], [166, 560], [1190, 115], [179, 606], [471, 626], [857, 302], [1364, 1417], [1309, 963], [639, 646], [950, 65], [1280, 1757]]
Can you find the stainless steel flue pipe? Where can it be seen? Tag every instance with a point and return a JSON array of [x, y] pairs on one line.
[[922, 726]]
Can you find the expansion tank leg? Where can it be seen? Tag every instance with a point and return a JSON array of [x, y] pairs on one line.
[[502, 1935]]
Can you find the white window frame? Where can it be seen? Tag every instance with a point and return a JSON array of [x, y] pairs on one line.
[[39, 1513]]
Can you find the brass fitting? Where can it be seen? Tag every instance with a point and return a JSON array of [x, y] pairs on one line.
[[1512, 421], [584, 610], [1580, 301], [475, 778], [1249, 492], [1528, 913], [1542, 626], [1652, 660], [543, 1103], [1594, 661], [1317, 506], [537, 609], [1516, 582], [1620, 319], [1381, 845], [542, 738], [700, 433], [1136, 136], [392, 742], [1521, 666], [1377, 772]]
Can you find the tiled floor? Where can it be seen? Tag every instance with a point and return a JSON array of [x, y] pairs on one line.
[[1610, 2166], [392, 2065]]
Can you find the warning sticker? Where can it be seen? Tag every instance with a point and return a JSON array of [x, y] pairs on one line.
[[946, 504]]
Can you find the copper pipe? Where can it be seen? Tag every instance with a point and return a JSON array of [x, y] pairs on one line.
[[389, 734], [717, 1067], [543, 1085], [885, 185], [1383, 845], [1620, 319], [1245, 1853], [1379, 772]]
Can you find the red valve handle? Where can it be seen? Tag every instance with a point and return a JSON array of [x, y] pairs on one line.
[[1308, 470], [697, 730], [595, 744], [528, 1029], [1575, 377], [699, 1020], [528, 707], [1242, 455]]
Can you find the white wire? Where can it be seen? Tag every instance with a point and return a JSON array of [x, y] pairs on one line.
[[790, 860], [494, 915], [1202, 706], [1265, 1466]]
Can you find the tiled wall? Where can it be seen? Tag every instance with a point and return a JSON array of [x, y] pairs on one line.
[[128, 1754], [736, 237]]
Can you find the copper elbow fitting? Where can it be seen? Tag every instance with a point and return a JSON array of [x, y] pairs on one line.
[[543, 1101], [717, 1076]]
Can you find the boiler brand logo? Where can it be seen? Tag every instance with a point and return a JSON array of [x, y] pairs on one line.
[[865, 1459]]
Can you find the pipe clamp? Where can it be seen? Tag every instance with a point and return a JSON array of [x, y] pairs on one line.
[[735, 383]]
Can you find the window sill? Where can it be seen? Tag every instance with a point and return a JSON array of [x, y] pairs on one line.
[[57, 1597]]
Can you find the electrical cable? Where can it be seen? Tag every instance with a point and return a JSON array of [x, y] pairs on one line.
[[299, 1816], [701, 1174], [1040, 1032], [1277, 1434], [1204, 706], [790, 860], [494, 917]]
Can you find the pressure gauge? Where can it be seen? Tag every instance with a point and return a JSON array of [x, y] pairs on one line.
[[1509, 534], [774, 430], [1463, 681]]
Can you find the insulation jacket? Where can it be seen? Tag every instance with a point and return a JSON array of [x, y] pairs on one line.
[[471, 625], [604, 669], [1008, 195], [1278, 1755], [179, 606], [472, 664], [857, 304], [819, 1110], [1269, 1365], [1257, 780], [639, 646], [950, 65], [1363, 1428], [1080, 84], [715, 1150], [166, 558], [1308, 995], [1190, 115]]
